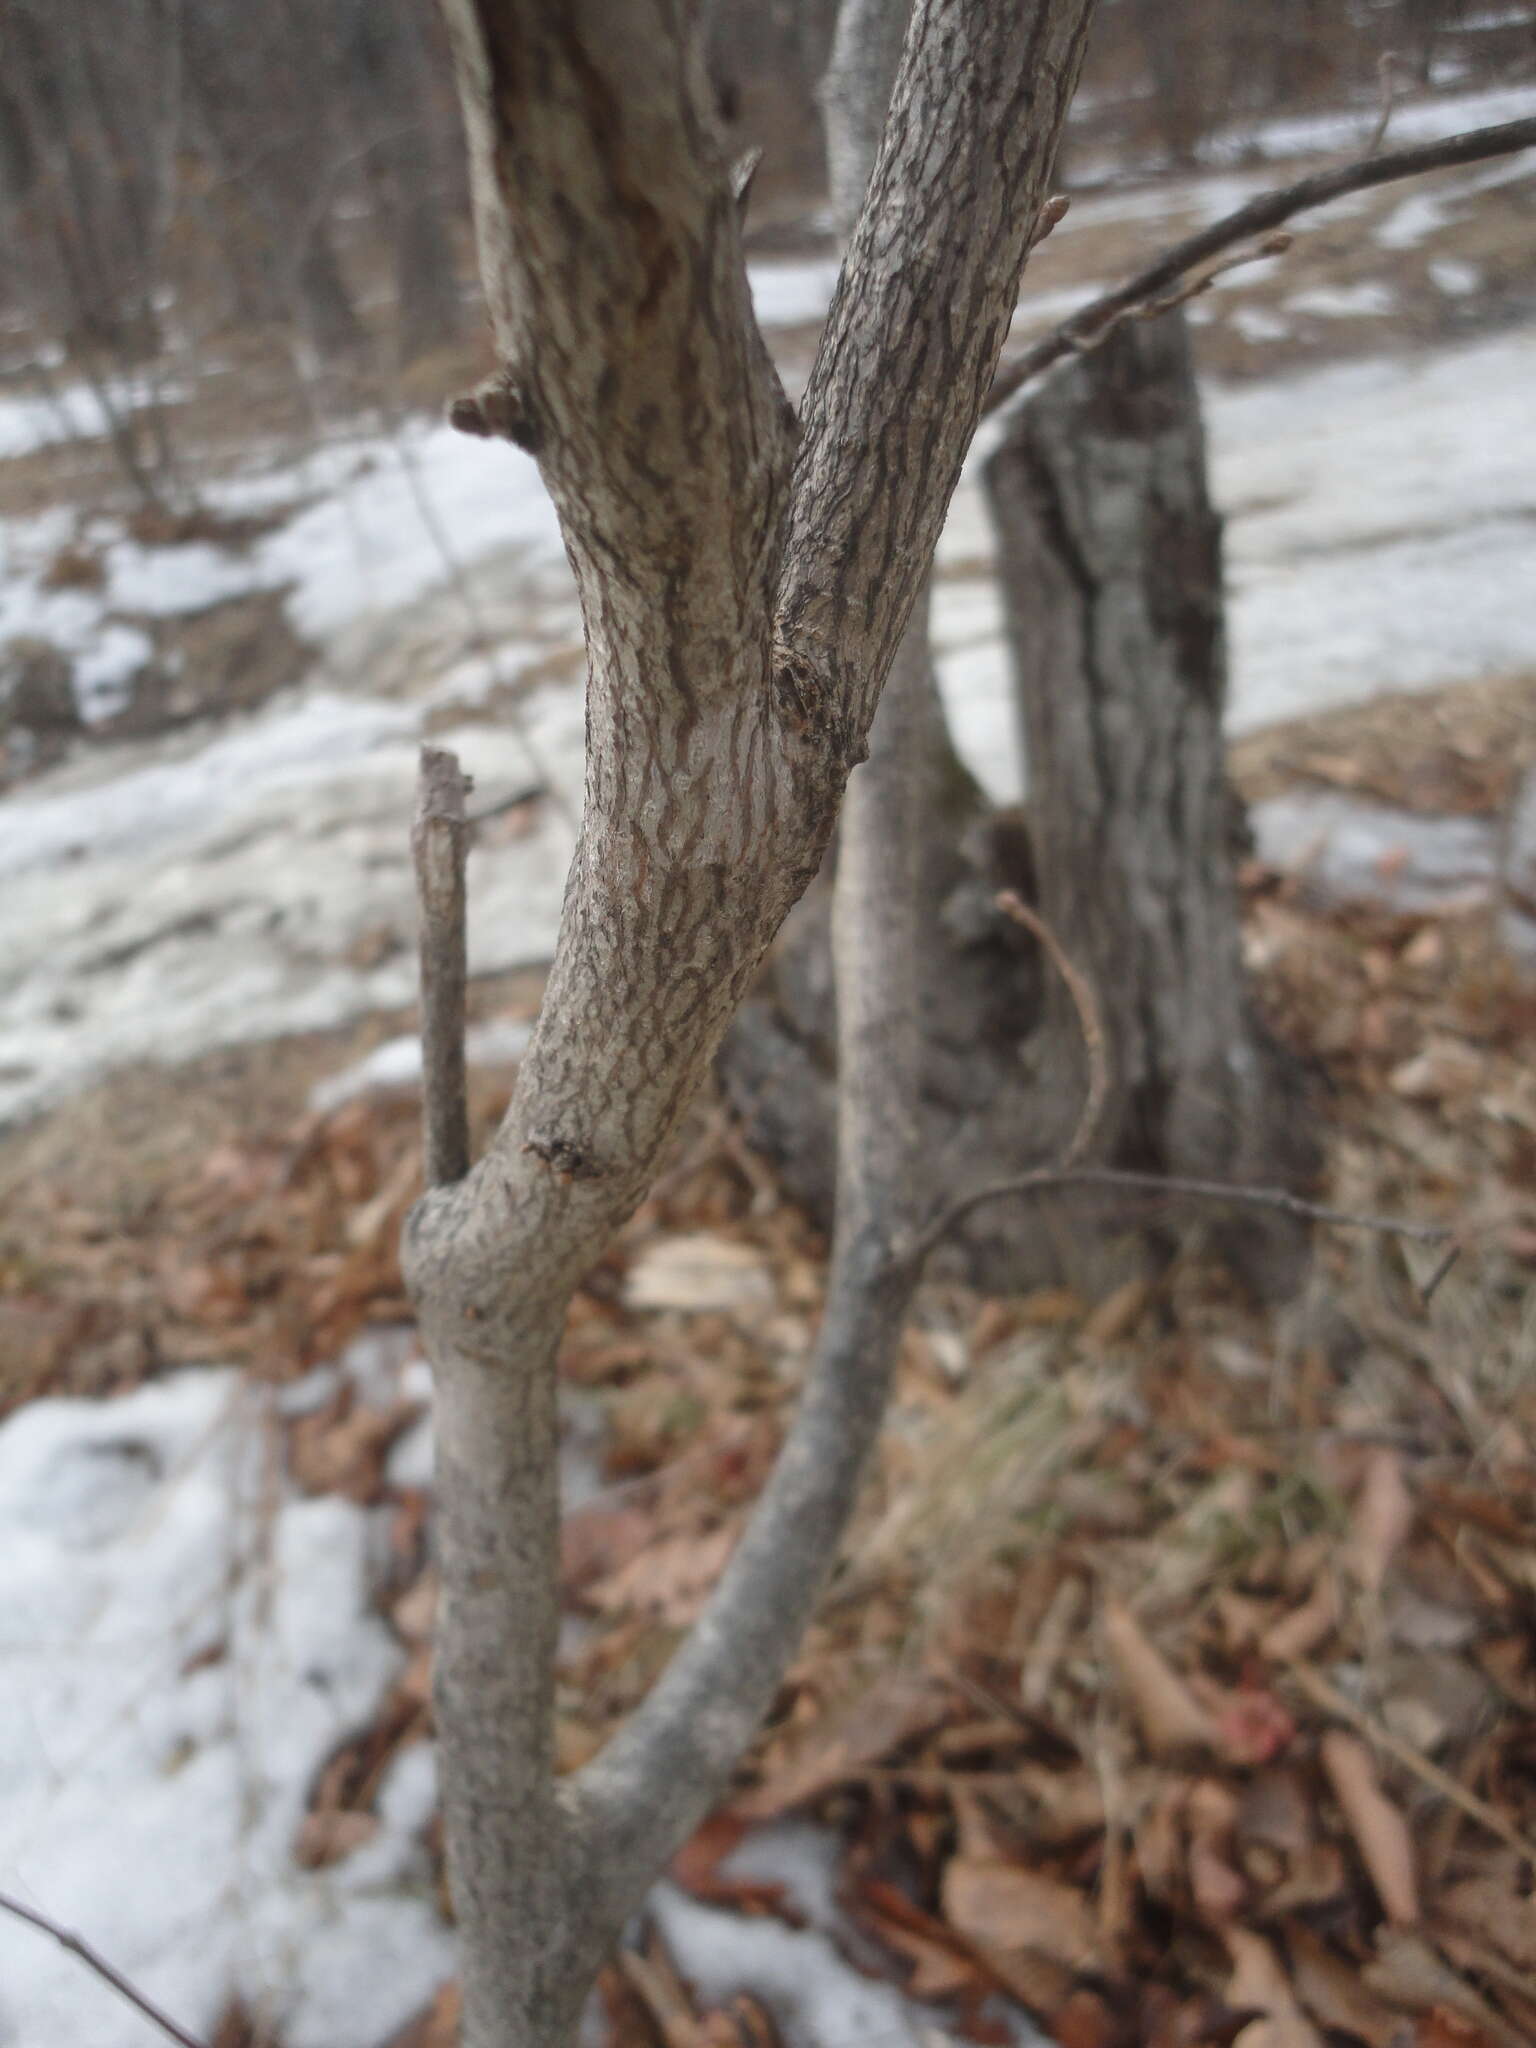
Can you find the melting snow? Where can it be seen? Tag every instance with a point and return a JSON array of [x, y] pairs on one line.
[[183, 1642]]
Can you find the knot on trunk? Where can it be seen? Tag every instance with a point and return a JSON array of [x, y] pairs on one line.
[[498, 409], [813, 706]]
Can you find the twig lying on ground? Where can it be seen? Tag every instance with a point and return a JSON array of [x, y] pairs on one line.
[[1089, 326], [93, 1961]]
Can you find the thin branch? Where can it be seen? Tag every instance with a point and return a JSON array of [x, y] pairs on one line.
[[1386, 72], [1332, 1701], [894, 395], [1088, 326], [439, 844], [1088, 1016], [1192, 287], [1051, 1179], [78, 1946]]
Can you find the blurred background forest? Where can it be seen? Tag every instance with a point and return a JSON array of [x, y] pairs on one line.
[[283, 185]]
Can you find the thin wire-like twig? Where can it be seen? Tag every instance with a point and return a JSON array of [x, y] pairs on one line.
[[1090, 323], [1050, 1179], [1091, 1023], [93, 1960], [1332, 1701], [1386, 73]]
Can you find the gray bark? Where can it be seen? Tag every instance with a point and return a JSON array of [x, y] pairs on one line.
[[744, 597], [972, 978], [1110, 558]]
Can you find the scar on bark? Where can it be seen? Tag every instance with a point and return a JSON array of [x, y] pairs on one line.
[[564, 1157]]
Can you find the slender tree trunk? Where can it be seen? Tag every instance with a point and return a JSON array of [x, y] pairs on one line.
[[974, 978], [745, 588], [1110, 559]]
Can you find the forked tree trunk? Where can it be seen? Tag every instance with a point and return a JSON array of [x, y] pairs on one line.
[[1110, 562], [746, 581]]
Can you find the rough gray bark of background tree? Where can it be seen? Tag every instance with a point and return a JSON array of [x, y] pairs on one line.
[[1110, 562]]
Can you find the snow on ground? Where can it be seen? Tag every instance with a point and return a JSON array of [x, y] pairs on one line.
[[71, 412], [1348, 130], [212, 887], [184, 1640]]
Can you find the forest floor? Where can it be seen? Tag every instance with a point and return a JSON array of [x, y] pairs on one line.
[[1178, 1682]]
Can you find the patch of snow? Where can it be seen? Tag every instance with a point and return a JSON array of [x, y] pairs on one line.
[[106, 666], [1494, 18], [375, 542], [1379, 530], [1517, 905], [170, 582], [1412, 221], [793, 294], [1257, 323], [72, 412], [179, 1654], [1350, 128], [396, 1064], [1452, 276], [1346, 850], [817, 2000], [212, 895], [1344, 301]]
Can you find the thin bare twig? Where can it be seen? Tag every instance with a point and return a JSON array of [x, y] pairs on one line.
[[1428, 1291], [1386, 72], [1050, 1179], [1088, 1017], [1272, 245], [439, 846], [1332, 1701], [1268, 211], [78, 1946]]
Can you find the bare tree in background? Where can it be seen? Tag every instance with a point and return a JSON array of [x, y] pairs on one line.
[[746, 581]]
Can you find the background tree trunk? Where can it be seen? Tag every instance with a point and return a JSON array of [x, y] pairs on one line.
[[1111, 565], [1110, 560]]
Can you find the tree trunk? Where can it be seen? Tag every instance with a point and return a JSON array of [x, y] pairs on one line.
[[1110, 559], [745, 588], [973, 975]]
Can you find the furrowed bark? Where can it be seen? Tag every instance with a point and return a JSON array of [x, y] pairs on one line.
[[912, 338], [631, 366], [662, 1773]]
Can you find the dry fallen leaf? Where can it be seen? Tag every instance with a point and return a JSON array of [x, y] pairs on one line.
[[699, 1271], [1497, 1912], [1172, 1720], [326, 1838], [1380, 1833], [1298, 1633], [1002, 1906], [1382, 1519], [1258, 1981], [1407, 1972], [1329, 1986]]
